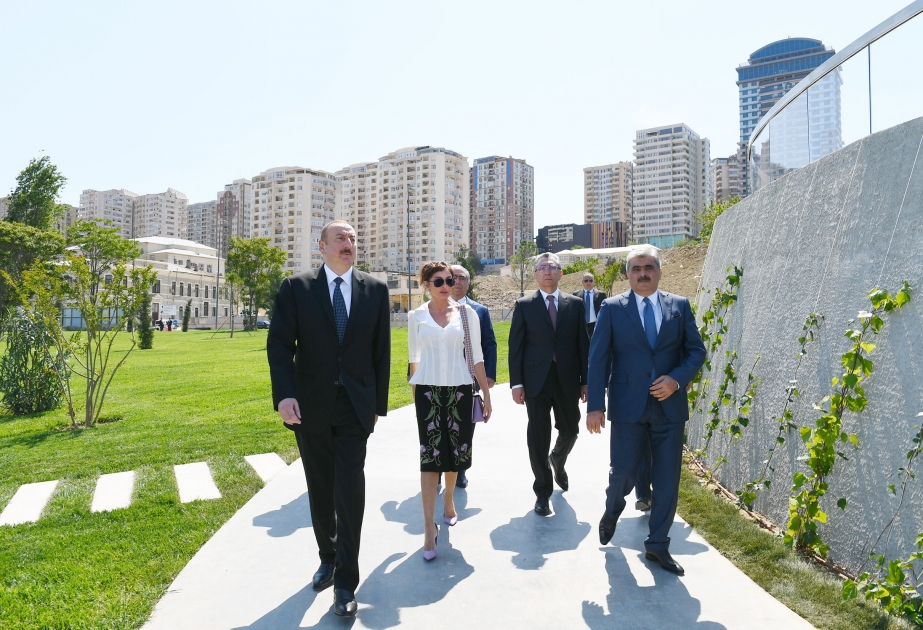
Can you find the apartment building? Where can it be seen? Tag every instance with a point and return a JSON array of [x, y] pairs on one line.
[[201, 223], [116, 205], [409, 207], [160, 214], [233, 213], [290, 206], [721, 180], [607, 197], [502, 208], [672, 182]]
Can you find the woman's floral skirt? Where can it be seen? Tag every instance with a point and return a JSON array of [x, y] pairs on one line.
[[445, 427]]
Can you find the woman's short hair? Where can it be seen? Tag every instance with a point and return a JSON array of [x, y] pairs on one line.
[[640, 251], [432, 268]]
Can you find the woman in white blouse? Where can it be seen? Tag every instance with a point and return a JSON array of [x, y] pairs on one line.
[[442, 392]]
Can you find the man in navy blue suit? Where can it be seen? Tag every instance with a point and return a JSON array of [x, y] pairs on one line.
[[488, 340], [650, 339]]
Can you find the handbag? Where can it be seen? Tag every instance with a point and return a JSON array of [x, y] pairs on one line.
[[477, 404]]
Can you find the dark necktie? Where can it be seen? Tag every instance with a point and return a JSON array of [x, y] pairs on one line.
[[650, 324], [587, 302], [552, 312], [339, 309]]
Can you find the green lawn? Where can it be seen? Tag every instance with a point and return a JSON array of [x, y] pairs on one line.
[[195, 397], [203, 397]]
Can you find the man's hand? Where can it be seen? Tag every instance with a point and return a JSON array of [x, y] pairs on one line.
[[595, 421], [664, 387], [583, 393], [490, 383], [289, 411], [519, 395]]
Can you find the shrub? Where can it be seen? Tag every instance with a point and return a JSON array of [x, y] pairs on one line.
[[29, 372]]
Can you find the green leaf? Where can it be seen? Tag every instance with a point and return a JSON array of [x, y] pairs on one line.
[[895, 574], [841, 503], [854, 439], [850, 592]]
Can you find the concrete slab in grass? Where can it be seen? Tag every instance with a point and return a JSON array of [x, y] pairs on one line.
[[27, 504], [267, 465], [113, 491], [195, 482]]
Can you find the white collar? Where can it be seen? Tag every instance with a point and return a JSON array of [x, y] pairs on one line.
[[347, 277], [654, 297], [556, 294]]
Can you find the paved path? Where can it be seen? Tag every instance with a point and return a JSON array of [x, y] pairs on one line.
[[501, 566]]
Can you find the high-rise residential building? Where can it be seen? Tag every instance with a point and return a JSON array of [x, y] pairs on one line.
[[409, 207], [201, 221], [721, 178], [502, 206], [607, 197], [290, 206], [160, 214], [233, 213], [69, 214], [810, 132], [116, 205], [672, 181]]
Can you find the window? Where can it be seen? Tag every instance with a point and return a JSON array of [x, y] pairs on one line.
[[205, 309], [196, 290], [206, 291], [156, 287], [181, 289], [173, 288]]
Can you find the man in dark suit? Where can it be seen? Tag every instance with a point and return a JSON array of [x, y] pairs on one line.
[[329, 349], [646, 340], [548, 368], [488, 340], [592, 300]]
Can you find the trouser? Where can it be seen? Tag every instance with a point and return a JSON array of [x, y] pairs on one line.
[[627, 444], [334, 466], [643, 474], [538, 432]]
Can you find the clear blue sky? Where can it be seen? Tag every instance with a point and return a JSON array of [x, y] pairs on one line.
[[191, 95]]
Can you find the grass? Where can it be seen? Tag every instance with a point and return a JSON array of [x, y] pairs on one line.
[[204, 397], [195, 396], [801, 585]]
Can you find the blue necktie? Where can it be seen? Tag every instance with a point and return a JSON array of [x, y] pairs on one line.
[[586, 301], [650, 324], [339, 309]]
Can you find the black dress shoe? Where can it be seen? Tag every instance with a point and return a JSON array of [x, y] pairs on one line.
[[324, 576], [541, 507], [665, 559], [560, 475], [344, 603], [462, 480], [606, 529]]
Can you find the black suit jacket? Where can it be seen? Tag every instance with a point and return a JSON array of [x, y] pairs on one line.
[[533, 343], [598, 298], [306, 358]]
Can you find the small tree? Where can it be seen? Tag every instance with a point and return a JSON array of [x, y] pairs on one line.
[[20, 247], [28, 371], [143, 323], [364, 266], [186, 316], [252, 265], [615, 270], [95, 282], [709, 214], [472, 264], [34, 200], [521, 263]]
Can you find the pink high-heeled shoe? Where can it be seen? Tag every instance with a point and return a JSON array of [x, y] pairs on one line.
[[449, 520], [432, 553]]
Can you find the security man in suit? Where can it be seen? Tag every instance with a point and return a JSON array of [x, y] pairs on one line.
[[329, 349], [488, 339], [548, 349], [647, 342], [592, 300]]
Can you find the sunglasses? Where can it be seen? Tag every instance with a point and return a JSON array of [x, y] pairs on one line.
[[438, 282], [548, 268]]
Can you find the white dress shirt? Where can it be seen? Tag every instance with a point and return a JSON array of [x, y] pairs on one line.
[[440, 352], [346, 287], [592, 310], [655, 303]]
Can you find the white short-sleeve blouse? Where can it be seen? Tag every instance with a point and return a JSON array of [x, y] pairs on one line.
[[440, 351]]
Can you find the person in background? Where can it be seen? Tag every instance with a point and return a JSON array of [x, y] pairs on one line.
[[440, 378], [488, 341]]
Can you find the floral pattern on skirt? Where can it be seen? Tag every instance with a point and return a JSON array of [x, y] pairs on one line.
[[444, 426]]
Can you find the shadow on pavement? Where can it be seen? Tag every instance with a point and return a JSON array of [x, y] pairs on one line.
[[288, 615], [532, 537], [287, 519], [413, 582], [410, 511], [666, 605]]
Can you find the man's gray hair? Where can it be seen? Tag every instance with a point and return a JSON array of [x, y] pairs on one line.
[[546, 257], [589, 275], [459, 270], [642, 251]]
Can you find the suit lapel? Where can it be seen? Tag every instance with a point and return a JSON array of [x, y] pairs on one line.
[[539, 300], [357, 286], [666, 311], [631, 308], [323, 295]]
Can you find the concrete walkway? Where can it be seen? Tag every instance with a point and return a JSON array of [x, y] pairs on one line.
[[502, 565]]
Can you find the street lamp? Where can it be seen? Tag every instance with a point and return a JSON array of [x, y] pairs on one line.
[[409, 264]]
